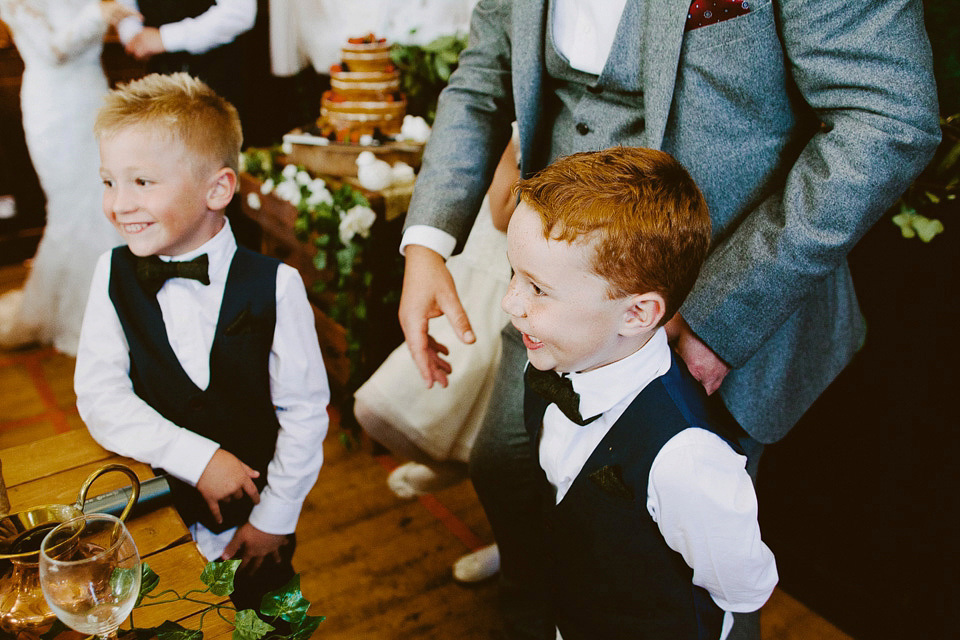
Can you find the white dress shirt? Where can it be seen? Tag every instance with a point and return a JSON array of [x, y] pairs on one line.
[[698, 492], [216, 26], [583, 33], [120, 421]]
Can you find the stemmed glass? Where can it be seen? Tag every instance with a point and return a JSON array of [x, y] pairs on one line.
[[90, 573]]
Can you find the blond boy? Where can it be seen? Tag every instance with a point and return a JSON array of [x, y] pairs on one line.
[[197, 356]]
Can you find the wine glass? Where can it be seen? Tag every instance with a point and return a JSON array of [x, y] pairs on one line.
[[90, 573]]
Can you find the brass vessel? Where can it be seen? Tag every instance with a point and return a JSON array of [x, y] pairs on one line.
[[23, 610]]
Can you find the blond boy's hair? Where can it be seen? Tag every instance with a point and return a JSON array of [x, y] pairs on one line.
[[182, 107], [640, 210]]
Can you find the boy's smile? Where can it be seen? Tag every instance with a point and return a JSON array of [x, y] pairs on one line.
[[560, 306], [153, 194]]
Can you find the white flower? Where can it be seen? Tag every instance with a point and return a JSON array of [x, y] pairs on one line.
[[242, 163], [290, 191], [253, 201], [402, 173], [357, 220], [372, 173], [316, 184], [303, 178], [267, 186], [366, 140], [290, 171], [319, 196], [286, 147], [414, 128]]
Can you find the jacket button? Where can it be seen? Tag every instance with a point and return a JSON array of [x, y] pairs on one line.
[[582, 128]]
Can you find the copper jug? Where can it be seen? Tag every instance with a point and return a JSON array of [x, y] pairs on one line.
[[23, 610]]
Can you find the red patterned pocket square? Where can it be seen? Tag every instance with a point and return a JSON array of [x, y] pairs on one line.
[[704, 12]]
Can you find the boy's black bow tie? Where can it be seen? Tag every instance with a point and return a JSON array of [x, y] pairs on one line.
[[559, 390], [152, 272]]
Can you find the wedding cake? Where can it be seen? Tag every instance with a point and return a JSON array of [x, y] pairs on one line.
[[364, 98]]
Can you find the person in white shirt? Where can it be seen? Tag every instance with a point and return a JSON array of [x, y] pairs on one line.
[[200, 37], [197, 356], [648, 523]]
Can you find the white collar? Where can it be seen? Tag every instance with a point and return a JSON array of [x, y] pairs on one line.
[[219, 249], [601, 389]]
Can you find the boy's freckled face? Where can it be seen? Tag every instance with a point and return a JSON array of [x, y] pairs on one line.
[[152, 193], [559, 305]]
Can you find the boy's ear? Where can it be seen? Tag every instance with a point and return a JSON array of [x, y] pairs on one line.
[[644, 313], [222, 187]]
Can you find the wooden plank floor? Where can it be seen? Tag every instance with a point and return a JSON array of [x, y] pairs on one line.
[[378, 567]]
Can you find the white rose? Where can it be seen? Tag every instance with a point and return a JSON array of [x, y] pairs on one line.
[[253, 201], [267, 186], [287, 147], [290, 171], [319, 196], [414, 128], [289, 191], [303, 178], [402, 173], [357, 220], [316, 184]]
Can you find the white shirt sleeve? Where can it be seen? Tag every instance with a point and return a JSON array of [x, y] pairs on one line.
[[430, 237], [217, 26], [704, 503], [131, 26], [116, 417], [301, 393]]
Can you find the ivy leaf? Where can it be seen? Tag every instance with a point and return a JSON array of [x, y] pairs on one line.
[[219, 576], [148, 582], [345, 259], [170, 630], [248, 626], [305, 627], [320, 260], [287, 602]]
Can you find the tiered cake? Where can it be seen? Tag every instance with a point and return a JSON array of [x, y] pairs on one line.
[[364, 98]]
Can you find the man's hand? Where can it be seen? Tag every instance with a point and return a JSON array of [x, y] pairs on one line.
[[145, 44], [226, 477], [703, 363], [253, 545], [428, 292]]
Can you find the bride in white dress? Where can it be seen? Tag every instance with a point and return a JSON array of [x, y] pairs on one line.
[[60, 42]]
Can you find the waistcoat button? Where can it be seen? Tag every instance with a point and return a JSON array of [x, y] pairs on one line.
[[582, 128]]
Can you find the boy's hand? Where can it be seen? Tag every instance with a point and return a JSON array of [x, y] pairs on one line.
[[226, 477], [146, 44], [428, 292], [704, 365], [252, 546]]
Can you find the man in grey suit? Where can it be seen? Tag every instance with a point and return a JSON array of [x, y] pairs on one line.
[[801, 120]]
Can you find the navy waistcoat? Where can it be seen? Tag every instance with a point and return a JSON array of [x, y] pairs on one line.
[[608, 571], [235, 410]]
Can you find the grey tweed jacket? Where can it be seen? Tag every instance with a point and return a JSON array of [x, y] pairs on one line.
[[802, 122]]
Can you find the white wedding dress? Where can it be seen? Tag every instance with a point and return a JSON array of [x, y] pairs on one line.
[[60, 42]]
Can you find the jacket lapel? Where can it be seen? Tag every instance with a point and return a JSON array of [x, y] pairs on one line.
[[665, 22], [529, 21]]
